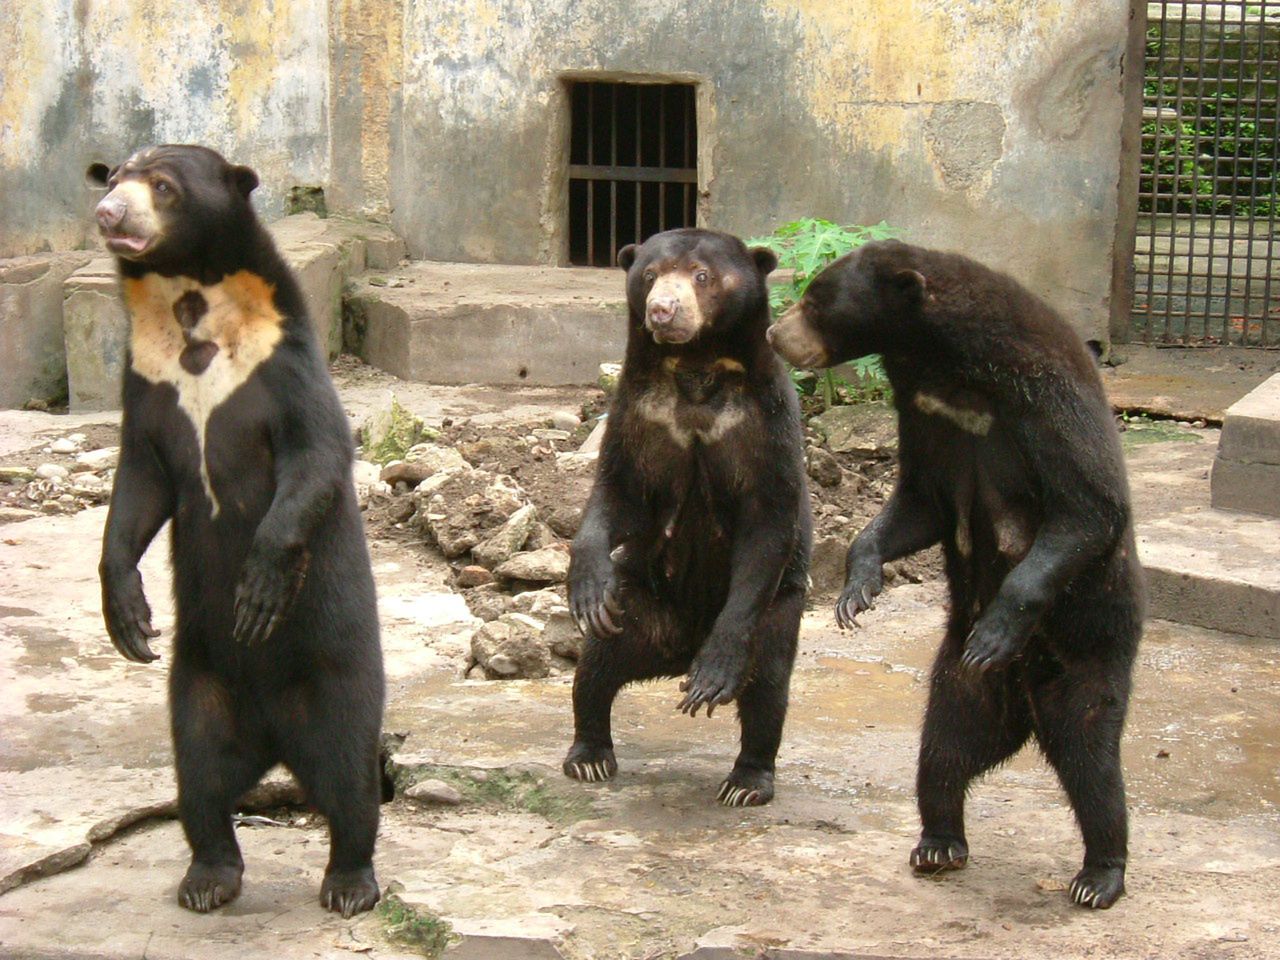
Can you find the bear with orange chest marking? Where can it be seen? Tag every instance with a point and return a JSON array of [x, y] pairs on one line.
[[233, 433], [1008, 456], [693, 553]]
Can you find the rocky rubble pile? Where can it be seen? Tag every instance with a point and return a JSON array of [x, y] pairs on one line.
[[65, 476], [509, 549]]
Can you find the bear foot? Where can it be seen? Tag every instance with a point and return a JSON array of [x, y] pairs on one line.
[[208, 886], [936, 854], [746, 788], [1098, 887], [349, 892], [590, 764]]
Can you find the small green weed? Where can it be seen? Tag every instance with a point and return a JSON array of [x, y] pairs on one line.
[[499, 788], [408, 926], [1140, 430]]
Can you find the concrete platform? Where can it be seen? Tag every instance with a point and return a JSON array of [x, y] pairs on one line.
[[1246, 472], [452, 323], [1213, 568]]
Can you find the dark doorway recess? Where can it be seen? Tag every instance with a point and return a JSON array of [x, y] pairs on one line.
[[633, 165]]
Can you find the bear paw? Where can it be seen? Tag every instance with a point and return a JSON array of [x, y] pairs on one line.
[[1098, 887], [935, 854], [208, 886], [746, 788], [590, 764], [349, 892]]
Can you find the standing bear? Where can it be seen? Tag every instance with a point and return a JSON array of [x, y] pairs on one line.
[[1009, 456], [693, 553], [233, 432]]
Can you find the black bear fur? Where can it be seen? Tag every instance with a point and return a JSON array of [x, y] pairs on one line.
[[233, 433], [693, 552], [1010, 457]]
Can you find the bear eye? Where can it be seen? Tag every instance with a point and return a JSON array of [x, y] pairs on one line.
[[701, 276], [650, 276], [162, 187]]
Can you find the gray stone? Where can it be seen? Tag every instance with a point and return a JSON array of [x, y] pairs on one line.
[[423, 460], [508, 538], [537, 603], [487, 602], [564, 520], [591, 446], [551, 434], [390, 432], [461, 508], [33, 359], [541, 536], [565, 420], [16, 474], [607, 375], [824, 467], [52, 471], [561, 636], [511, 648], [1245, 487], [16, 514], [866, 429], [64, 445], [96, 334], [434, 793], [826, 568], [548, 565], [101, 459]]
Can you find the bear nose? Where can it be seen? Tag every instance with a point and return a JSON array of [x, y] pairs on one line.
[[110, 212], [662, 310]]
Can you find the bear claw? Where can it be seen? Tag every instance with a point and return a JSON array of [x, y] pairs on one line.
[[1097, 888], [935, 856]]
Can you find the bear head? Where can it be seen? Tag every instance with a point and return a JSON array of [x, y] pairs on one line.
[[860, 304], [693, 285], [172, 205]]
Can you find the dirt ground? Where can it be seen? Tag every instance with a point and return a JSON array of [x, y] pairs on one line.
[[529, 864]]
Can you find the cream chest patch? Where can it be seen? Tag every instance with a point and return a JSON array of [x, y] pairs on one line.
[[204, 341]]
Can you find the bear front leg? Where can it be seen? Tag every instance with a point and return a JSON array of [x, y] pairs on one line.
[[907, 523]]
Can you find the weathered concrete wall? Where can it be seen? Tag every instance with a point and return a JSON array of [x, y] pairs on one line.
[[84, 80], [989, 126]]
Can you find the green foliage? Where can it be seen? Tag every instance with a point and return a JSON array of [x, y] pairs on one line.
[[408, 926], [806, 247], [1213, 146]]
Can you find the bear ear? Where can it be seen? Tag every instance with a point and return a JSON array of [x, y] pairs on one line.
[[910, 283], [627, 256], [97, 175], [766, 260], [245, 180]]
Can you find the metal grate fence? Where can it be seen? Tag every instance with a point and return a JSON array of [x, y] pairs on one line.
[[633, 168], [1205, 267]]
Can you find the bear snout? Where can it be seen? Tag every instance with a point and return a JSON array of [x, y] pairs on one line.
[[661, 311], [110, 211]]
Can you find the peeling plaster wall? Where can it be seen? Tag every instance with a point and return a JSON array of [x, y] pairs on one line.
[[987, 126], [84, 80]]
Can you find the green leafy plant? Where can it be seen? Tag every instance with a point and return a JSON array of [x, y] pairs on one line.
[[806, 247], [412, 927]]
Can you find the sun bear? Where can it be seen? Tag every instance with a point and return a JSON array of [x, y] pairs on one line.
[[1010, 457], [693, 552], [233, 432]]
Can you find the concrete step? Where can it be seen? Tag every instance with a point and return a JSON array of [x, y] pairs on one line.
[[455, 323], [1246, 472], [1207, 567]]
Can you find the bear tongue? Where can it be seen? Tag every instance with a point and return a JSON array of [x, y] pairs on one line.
[[126, 242]]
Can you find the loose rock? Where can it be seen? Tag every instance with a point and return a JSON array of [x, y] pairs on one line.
[[824, 468], [64, 445], [565, 420], [473, 576], [511, 648], [52, 471], [548, 565], [434, 792], [508, 539]]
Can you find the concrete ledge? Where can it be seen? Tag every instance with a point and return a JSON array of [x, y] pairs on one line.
[[96, 336], [1246, 472], [454, 323], [32, 355]]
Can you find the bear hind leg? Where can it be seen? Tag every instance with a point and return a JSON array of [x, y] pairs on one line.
[[973, 722], [1078, 723], [762, 704]]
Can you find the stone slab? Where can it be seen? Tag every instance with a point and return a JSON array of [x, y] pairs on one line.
[[468, 323], [1246, 487], [96, 332], [1246, 472], [1209, 567], [32, 352]]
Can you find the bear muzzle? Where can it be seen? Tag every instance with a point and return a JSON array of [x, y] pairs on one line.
[[796, 341]]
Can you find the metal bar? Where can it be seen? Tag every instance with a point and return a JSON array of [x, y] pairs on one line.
[[1188, 295], [1265, 314], [1214, 207], [613, 184], [1233, 213], [633, 174], [1167, 335], [662, 157], [591, 187], [639, 205], [1154, 201]]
